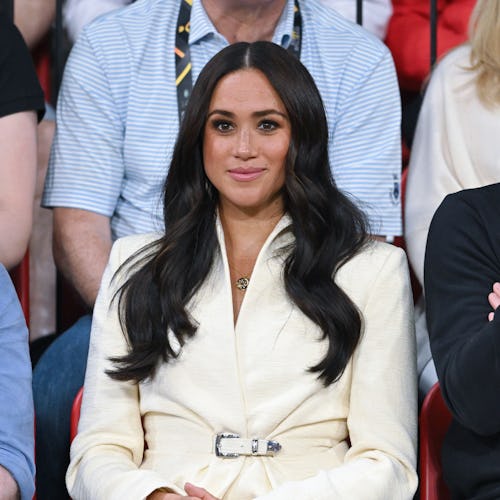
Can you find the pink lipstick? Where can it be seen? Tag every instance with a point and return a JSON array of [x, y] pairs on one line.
[[245, 174]]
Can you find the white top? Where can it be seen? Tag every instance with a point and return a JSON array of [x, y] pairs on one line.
[[376, 13], [252, 379], [456, 146]]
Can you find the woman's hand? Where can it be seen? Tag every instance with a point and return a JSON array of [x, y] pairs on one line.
[[494, 300], [163, 494], [200, 493], [193, 493]]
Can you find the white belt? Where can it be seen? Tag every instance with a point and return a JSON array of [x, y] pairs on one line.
[[229, 445]]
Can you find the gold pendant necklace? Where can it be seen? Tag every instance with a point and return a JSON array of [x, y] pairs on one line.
[[242, 283]]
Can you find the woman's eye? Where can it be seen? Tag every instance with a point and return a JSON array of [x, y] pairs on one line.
[[222, 126], [268, 125]]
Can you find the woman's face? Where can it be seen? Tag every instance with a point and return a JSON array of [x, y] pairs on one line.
[[246, 140]]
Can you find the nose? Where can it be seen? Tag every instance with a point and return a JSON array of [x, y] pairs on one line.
[[245, 147]]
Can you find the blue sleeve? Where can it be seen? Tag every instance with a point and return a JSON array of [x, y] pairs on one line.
[[365, 150], [16, 400], [86, 167]]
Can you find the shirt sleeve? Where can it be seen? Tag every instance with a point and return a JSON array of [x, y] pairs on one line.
[[20, 89], [86, 167], [16, 401], [382, 417], [367, 163], [461, 266]]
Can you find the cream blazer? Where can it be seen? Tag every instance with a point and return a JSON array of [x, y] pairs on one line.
[[355, 439]]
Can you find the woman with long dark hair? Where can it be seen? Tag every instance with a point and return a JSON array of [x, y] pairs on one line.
[[261, 347]]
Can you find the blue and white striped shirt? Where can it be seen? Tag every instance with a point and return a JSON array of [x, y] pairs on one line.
[[117, 116]]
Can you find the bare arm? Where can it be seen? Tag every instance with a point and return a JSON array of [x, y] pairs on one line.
[[82, 243], [33, 19], [18, 171], [8, 486]]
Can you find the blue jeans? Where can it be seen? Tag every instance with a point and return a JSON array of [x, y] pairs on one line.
[[57, 377]]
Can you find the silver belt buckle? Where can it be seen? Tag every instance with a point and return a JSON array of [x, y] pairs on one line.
[[272, 447], [218, 446]]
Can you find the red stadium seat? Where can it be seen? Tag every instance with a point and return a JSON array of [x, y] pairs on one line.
[[75, 414], [434, 421]]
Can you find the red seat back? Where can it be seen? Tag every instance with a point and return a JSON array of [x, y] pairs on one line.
[[75, 414], [434, 421]]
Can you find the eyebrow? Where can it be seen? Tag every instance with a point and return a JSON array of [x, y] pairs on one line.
[[257, 114]]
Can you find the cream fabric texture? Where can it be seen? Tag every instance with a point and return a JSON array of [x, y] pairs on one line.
[[252, 379]]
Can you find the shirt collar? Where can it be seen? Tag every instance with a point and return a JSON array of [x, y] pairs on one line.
[[284, 29], [201, 26]]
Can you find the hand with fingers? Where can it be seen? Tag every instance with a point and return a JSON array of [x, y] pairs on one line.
[[198, 492], [494, 300], [193, 493]]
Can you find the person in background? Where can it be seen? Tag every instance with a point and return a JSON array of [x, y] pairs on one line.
[[263, 310], [118, 114], [456, 144], [78, 13], [17, 465], [21, 101], [409, 39], [462, 274], [376, 13]]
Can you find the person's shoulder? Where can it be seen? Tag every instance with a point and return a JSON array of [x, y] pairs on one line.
[[7, 27], [366, 265], [470, 214], [127, 246], [135, 19], [454, 64], [479, 200], [464, 228], [378, 267], [333, 29], [11, 39], [376, 251]]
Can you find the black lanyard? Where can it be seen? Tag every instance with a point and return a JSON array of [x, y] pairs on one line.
[[183, 74]]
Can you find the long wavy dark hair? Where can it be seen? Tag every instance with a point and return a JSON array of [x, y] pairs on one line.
[[328, 228]]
